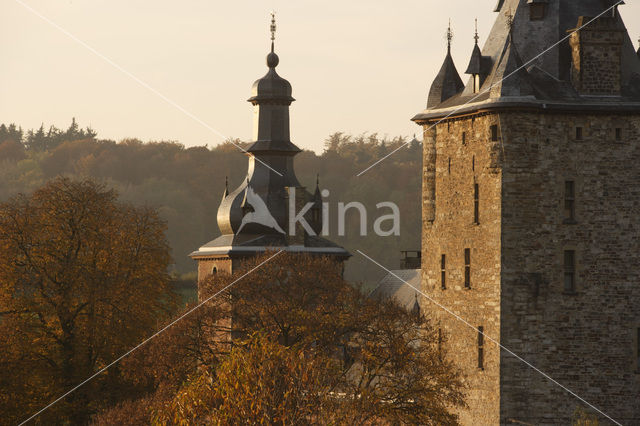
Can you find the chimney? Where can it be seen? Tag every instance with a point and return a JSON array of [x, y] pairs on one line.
[[596, 57]]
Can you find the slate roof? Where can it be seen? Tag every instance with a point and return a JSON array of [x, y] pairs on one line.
[[392, 287], [545, 80]]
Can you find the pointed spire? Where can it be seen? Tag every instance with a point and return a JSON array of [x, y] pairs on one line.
[[416, 306], [638, 47], [475, 63], [317, 196], [448, 82]]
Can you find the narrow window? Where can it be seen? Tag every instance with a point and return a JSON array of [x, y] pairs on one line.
[[638, 349], [449, 165], [481, 347], [618, 134], [443, 272], [579, 134], [569, 201], [214, 270], [467, 268], [464, 138], [494, 132], [569, 271], [473, 163], [440, 343], [476, 204]]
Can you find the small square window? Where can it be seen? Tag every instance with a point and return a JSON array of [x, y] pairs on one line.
[[579, 133], [494, 132]]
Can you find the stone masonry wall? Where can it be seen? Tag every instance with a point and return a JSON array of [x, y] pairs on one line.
[[458, 167], [584, 340]]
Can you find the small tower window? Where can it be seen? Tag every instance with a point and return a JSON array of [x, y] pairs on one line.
[[569, 271], [481, 347], [476, 204], [473, 163], [569, 201], [476, 83], [449, 165], [579, 134], [494, 132], [618, 134], [537, 11], [467, 268], [443, 272], [464, 138], [214, 270]]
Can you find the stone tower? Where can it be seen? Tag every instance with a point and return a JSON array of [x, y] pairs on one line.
[[255, 217], [531, 215]]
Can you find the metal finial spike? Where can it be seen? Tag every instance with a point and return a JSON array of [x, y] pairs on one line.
[[476, 37], [226, 182], [449, 36], [273, 26], [318, 179]]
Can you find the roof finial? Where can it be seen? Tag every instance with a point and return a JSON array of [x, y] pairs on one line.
[[449, 37], [273, 29], [476, 37], [318, 180]]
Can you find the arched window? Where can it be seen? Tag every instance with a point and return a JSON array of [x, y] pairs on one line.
[[214, 270]]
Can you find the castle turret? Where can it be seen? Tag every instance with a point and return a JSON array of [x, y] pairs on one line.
[[270, 209]]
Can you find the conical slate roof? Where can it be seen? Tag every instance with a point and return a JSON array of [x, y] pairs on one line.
[[446, 84]]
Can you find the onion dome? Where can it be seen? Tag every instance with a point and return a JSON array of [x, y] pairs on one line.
[[271, 87], [448, 82]]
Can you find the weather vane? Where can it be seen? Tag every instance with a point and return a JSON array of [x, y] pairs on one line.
[[273, 25], [476, 37], [449, 36]]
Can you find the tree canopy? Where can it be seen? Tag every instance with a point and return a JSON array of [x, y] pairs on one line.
[[307, 348], [83, 278]]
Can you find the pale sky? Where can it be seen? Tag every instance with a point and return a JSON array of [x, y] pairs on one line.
[[355, 66]]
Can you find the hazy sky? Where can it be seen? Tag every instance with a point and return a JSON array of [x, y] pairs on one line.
[[355, 66]]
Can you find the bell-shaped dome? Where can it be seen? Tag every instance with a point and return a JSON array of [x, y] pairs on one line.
[[271, 87]]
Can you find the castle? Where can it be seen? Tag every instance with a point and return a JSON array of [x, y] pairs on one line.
[[531, 214]]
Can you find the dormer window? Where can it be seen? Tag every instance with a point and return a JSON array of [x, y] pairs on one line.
[[537, 10]]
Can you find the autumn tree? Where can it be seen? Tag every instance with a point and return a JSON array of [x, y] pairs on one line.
[[83, 278], [355, 360]]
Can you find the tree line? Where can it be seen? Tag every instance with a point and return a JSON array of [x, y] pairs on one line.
[[185, 184]]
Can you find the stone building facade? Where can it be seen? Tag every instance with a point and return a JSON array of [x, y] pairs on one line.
[[531, 217]]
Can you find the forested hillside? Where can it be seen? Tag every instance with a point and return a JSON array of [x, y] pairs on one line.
[[186, 184]]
